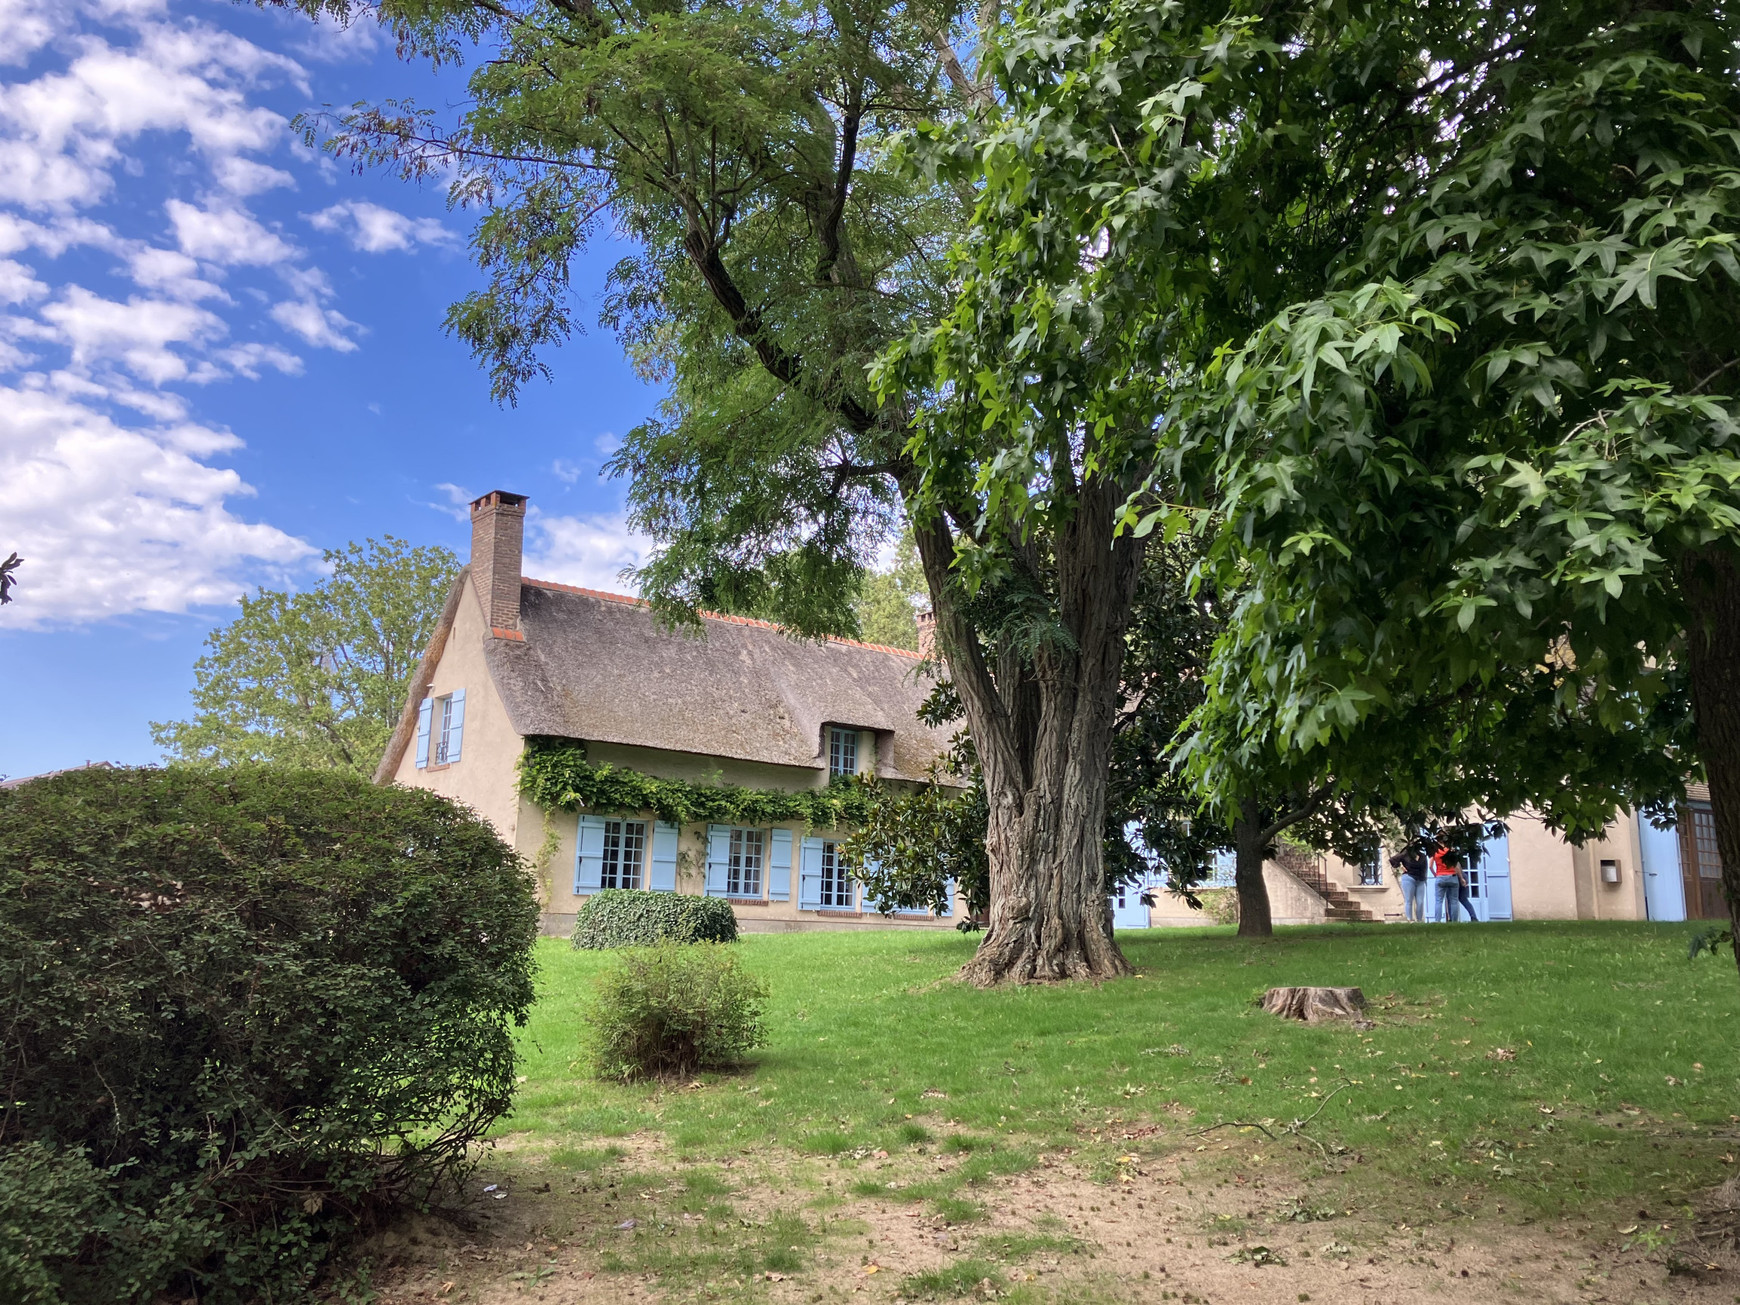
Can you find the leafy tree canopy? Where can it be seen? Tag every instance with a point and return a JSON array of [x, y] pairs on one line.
[[892, 598], [743, 150], [1412, 311], [317, 678]]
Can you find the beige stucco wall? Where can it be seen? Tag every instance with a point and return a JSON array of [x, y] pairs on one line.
[[1552, 880], [1549, 878], [486, 775], [1384, 900], [1290, 902], [555, 856]]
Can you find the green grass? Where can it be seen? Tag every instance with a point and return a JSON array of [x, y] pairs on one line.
[[958, 1279], [873, 1047]]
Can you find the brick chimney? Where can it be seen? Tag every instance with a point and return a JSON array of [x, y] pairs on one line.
[[498, 533], [926, 635]]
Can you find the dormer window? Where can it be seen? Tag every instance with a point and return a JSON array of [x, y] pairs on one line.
[[842, 752]]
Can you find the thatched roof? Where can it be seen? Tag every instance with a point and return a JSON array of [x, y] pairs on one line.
[[598, 667]]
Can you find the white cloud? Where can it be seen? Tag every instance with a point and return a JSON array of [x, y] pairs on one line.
[[29, 25], [458, 504], [18, 284], [113, 520], [249, 359], [226, 235], [324, 328], [565, 471], [61, 134], [589, 551], [137, 334], [242, 176], [377, 230], [171, 272]]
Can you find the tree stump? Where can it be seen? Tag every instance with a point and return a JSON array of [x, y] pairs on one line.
[[1314, 1004]]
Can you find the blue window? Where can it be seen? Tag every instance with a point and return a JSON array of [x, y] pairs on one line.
[[440, 729]]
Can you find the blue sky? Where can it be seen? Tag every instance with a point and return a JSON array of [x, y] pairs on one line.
[[220, 353]]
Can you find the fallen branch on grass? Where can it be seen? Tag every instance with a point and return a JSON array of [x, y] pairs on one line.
[[1295, 1129]]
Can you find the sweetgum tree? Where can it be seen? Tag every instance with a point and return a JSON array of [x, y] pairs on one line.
[[1415, 312]]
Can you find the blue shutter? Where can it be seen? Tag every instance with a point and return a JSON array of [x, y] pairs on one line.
[[779, 865], [664, 858], [718, 858], [423, 713], [456, 726], [589, 855], [948, 901], [810, 875]]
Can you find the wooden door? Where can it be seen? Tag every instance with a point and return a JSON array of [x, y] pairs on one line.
[[1701, 863]]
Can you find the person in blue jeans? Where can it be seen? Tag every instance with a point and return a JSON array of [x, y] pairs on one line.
[[1411, 861], [1446, 884]]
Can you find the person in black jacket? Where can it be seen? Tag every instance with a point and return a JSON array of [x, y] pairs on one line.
[[1411, 861]]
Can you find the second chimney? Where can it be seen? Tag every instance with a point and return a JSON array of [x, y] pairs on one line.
[[498, 534], [926, 622]]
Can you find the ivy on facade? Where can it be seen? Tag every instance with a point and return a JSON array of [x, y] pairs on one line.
[[556, 775]]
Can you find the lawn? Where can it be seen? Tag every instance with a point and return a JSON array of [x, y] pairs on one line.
[[1554, 1066]]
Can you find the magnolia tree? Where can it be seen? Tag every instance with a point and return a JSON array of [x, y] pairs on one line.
[[1415, 314]]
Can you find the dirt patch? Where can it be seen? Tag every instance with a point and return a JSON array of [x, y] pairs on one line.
[[628, 1224]]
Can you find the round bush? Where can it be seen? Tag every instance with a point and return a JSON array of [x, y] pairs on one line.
[[249, 1008], [667, 1011], [631, 917]]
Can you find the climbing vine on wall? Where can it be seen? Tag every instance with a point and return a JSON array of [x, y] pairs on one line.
[[555, 774]]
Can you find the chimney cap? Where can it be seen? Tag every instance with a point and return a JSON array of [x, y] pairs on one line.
[[498, 498]]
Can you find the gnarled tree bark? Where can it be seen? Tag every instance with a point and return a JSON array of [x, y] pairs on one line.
[[1710, 585], [1043, 729]]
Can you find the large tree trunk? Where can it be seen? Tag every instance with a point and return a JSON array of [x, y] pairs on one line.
[[1250, 850], [1710, 585], [1042, 725]]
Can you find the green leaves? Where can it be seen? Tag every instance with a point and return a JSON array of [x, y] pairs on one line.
[[317, 678], [555, 774]]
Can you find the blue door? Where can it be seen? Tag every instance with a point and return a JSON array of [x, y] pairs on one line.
[[1664, 890], [1492, 896], [1127, 909]]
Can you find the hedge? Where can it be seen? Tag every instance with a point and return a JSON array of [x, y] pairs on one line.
[[249, 1010], [633, 917]]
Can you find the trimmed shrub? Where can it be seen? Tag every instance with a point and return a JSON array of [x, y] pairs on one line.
[[634, 917], [247, 1010], [667, 1011]]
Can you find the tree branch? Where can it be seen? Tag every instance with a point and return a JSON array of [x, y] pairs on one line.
[[830, 228], [749, 327]]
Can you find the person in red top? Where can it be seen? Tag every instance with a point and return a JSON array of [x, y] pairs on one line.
[[1446, 881]]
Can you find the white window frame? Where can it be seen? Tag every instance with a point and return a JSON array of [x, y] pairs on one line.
[[836, 892], [1374, 865], [746, 867], [623, 838], [442, 739], [842, 751]]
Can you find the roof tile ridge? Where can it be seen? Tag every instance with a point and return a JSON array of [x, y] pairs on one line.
[[631, 601]]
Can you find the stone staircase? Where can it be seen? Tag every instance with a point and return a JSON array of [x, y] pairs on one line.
[[1338, 904]]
